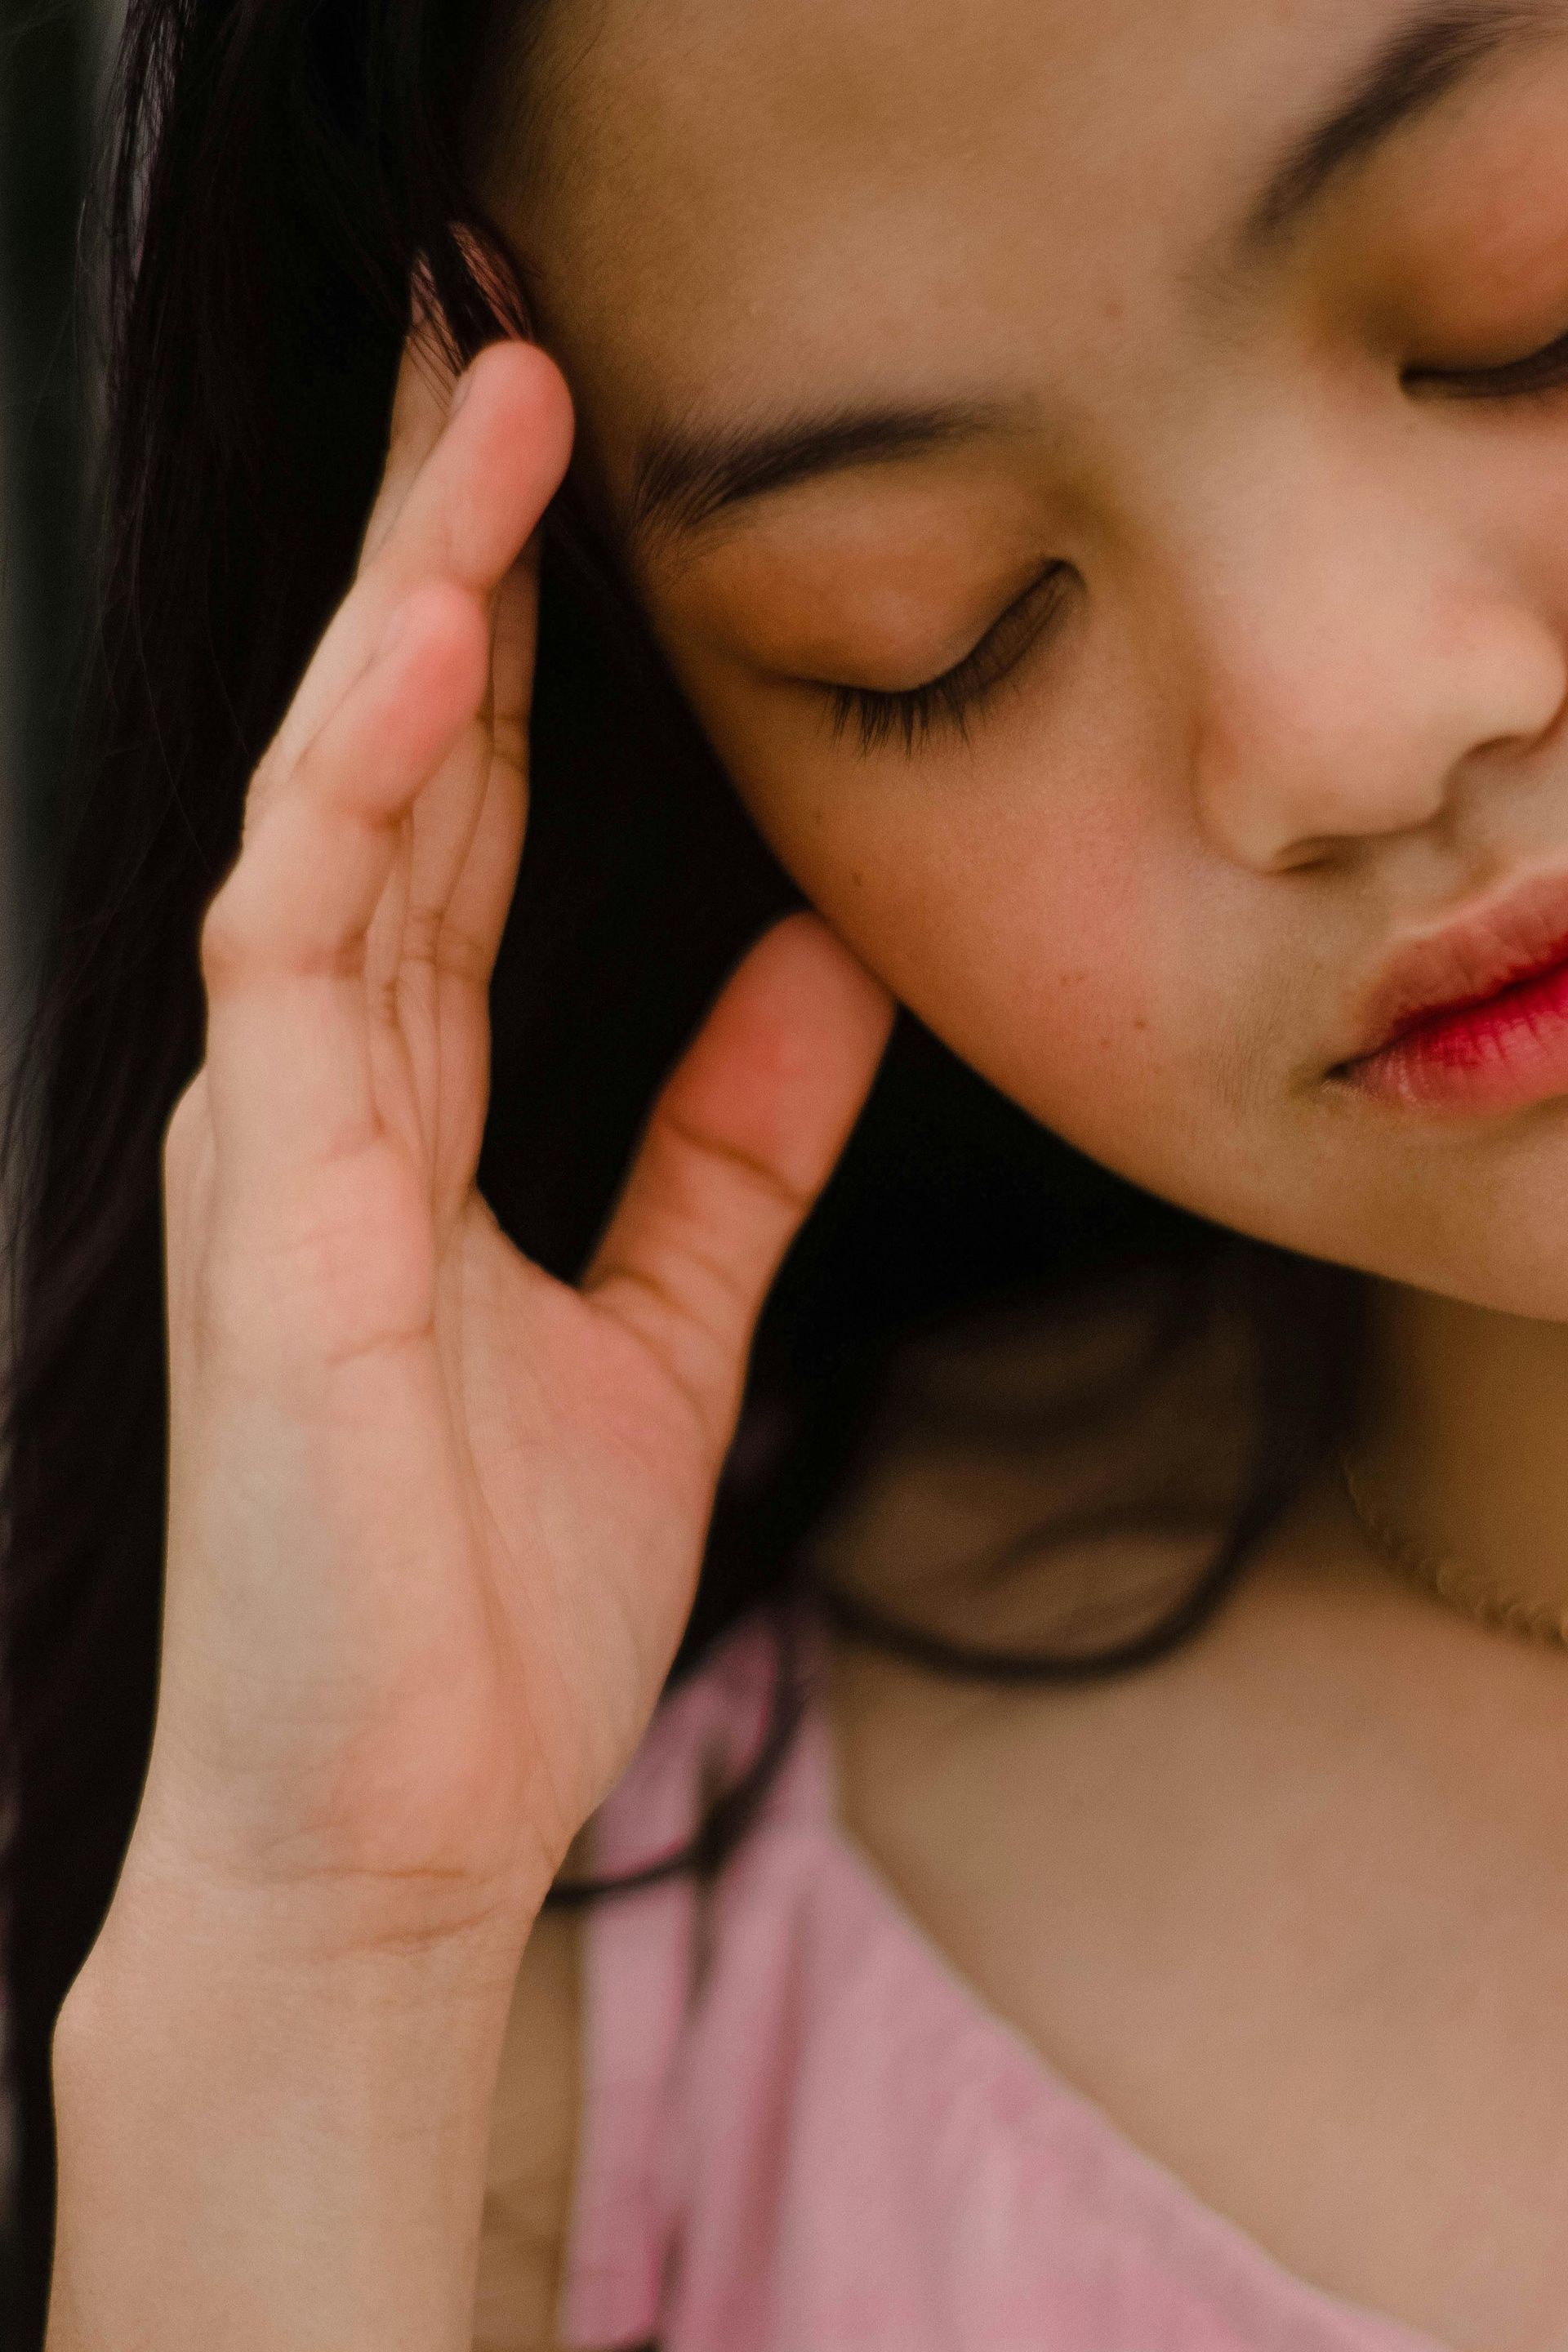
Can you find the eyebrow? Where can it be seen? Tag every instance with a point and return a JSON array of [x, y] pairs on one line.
[[1423, 62], [688, 474]]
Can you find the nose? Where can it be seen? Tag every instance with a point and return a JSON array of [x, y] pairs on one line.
[[1359, 664]]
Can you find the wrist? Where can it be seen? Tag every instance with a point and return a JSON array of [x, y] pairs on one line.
[[321, 1905], [260, 2147], [329, 1966]]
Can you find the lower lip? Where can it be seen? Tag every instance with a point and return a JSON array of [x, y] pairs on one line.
[[1502, 1054]]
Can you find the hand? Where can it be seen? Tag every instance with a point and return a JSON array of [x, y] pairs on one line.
[[435, 1520]]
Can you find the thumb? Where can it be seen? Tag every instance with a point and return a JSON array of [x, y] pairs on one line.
[[741, 1142]]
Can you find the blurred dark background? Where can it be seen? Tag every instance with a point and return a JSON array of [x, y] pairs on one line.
[[52, 61], [51, 72]]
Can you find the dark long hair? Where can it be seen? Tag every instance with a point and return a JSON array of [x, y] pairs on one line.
[[276, 168]]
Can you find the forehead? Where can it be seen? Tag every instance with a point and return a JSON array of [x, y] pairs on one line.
[[730, 203]]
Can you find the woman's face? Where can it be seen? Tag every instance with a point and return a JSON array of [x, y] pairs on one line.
[[1162, 380]]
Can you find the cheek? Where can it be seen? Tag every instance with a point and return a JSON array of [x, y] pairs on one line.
[[1048, 955], [1046, 905]]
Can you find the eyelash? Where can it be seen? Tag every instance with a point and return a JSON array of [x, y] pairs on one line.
[[945, 704], [1533, 376]]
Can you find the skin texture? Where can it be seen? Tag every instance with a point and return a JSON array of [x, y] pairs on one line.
[[1303, 700], [1307, 695], [435, 1520]]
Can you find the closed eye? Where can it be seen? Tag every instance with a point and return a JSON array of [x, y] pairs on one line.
[[912, 716], [1542, 370]]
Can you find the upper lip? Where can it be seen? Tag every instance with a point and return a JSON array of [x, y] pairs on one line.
[[1509, 938]]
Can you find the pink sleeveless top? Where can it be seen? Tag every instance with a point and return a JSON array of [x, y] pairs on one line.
[[803, 2132]]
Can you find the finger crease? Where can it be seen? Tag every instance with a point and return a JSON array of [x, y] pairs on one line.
[[796, 1198]]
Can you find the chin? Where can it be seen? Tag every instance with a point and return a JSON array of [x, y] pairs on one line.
[[1493, 1234]]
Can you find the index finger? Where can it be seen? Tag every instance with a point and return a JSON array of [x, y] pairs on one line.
[[421, 401], [471, 507]]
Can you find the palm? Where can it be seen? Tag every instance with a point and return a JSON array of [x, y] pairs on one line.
[[591, 1478]]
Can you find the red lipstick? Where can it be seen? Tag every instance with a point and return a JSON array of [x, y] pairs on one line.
[[1474, 1018]]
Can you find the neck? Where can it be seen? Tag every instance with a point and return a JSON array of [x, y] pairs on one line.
[[1464, 1438]]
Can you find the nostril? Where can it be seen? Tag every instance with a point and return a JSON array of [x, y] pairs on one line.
[[1303, 856]]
